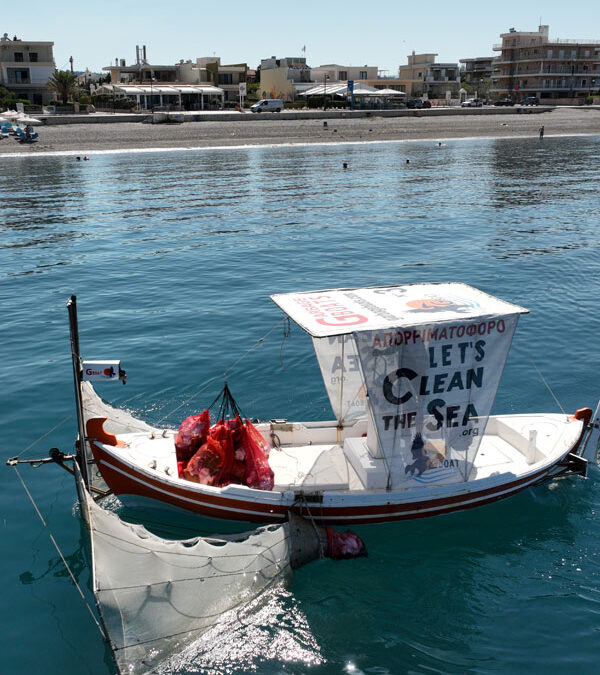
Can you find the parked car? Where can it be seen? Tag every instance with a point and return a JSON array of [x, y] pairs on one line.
[[504, 101], [414, 103], [472, 103], [530, 100], [427, 103], [267, 105]]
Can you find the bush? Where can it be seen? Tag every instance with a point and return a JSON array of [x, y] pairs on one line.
[[107, 101], [84, 99], [296, 105]]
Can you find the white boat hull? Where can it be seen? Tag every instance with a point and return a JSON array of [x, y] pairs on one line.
[[320, 474]]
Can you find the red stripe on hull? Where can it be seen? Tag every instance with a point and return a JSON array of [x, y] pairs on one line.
[[122, 479]]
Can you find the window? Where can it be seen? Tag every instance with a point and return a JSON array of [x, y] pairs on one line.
[[33, 57], [362, 75], [586, 52], [225, 78], [18, 76], [573, 53], [343, 75], [19, 57], [561, 53], [584, 82], [549, 54]]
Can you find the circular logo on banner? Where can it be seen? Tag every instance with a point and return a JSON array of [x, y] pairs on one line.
[[441, 305]]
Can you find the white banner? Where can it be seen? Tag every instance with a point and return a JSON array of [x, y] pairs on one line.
[[340, 368], [431, 390]]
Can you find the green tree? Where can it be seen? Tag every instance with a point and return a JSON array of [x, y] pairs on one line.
[[63, 82]]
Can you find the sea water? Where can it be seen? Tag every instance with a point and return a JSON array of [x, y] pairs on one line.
[[173, 257]]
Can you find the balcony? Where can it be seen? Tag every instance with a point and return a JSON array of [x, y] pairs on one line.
[[16, 81], [440, 80]]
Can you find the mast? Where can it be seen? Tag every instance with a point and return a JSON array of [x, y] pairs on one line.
[[80, 442]]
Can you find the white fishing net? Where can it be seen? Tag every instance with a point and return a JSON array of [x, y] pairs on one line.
[[156, 595]]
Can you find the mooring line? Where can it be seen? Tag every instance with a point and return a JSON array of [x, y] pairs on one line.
[[547, 385], [62, 557], [218, 377], [68, 417]]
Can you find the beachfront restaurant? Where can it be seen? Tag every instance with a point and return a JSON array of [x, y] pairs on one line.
[[364, 95], [167, 97]]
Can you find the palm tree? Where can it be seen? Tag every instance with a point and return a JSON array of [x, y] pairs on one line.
[[63, 83]]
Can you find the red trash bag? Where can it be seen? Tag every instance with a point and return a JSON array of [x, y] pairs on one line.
[[342, 545], [206, 465], [258, 472], [222, 437], [238, 467], [236, 426], [191, 435], [211, 465]]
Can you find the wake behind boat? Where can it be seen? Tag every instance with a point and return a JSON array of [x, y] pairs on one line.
[[411, 373]]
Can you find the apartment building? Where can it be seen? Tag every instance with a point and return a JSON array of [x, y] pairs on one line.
[[26, 67], [559, 71], [208, 70], [476, 70], [422, 76], [205, 73], [338, 73], [284, 78]]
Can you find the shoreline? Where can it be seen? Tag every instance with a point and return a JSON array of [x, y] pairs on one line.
[[114, 138]]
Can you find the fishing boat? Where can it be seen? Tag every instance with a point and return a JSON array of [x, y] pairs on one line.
[[411, 372]]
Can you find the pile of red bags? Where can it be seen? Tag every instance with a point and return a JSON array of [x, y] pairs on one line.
[[231, 451]]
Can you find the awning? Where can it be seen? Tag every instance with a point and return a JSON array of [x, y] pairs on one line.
[[390, 92], [157, 89], [339, 89], [348, 310]]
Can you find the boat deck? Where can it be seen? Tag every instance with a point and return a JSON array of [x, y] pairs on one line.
[[304, 460]]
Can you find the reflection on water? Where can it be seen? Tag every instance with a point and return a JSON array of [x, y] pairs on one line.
[[539, 193], [541, 190]]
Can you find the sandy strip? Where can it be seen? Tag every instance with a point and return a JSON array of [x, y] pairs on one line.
[[93, 138]]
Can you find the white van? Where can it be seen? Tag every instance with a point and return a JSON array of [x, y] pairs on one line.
[[267, 105]]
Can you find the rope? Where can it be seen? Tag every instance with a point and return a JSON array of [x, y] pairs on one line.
[[66, 419], [287, 331], [218, 377], [547, 385], [312, 521], [62, 557]]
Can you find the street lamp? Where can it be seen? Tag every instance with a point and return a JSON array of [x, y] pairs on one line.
[[325, 91]]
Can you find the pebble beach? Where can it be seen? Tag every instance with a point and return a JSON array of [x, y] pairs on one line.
[[103, 137]]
